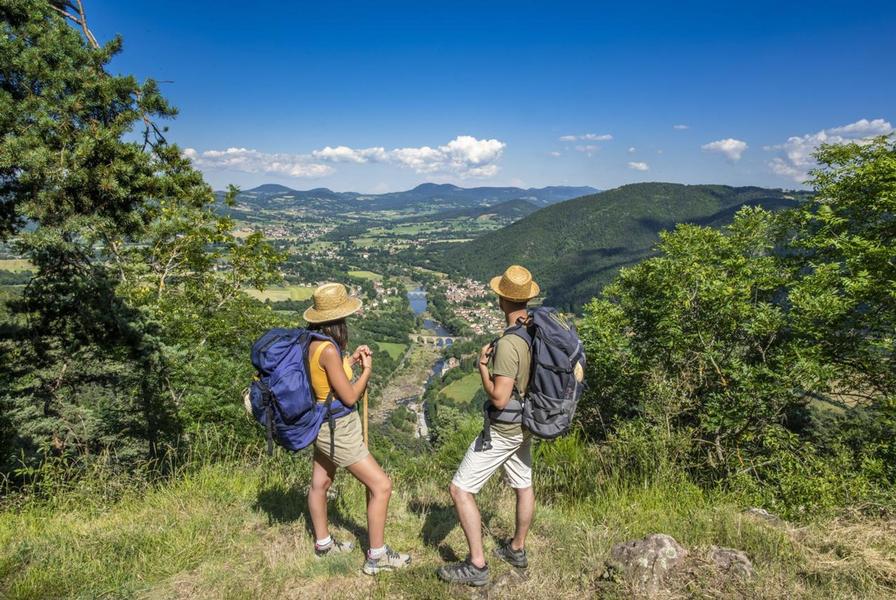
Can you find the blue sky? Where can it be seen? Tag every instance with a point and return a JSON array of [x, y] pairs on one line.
[[381, 96]]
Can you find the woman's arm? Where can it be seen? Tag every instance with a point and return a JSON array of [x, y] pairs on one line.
[[345, 390]]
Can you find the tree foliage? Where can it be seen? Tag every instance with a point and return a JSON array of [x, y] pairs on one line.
[[136, 277], [773, 336]]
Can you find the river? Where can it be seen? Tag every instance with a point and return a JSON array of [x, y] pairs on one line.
[[417, 299]]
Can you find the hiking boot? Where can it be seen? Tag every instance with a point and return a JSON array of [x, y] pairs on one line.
[[516, 558], [464, 572], [333, 547], [387, 562]]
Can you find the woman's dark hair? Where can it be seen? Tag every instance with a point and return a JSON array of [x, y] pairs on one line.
[[337, 330]]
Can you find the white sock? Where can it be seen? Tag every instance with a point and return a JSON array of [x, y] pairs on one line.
[[324, 542], [376, 552]]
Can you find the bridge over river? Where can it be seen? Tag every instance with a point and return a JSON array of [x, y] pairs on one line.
[[436, 340]]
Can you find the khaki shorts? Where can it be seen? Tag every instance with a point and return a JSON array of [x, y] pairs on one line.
[[348, 438], [513, 452]]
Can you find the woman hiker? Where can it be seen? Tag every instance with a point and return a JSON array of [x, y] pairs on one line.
[[330, 373]]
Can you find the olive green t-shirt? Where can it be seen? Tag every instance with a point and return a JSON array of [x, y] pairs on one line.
[[512, 358]]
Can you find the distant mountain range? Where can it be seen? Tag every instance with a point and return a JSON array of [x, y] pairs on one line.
[[427, 197], [574, 248]]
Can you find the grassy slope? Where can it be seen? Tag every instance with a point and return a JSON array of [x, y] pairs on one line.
[[239, 529], [574, 248]]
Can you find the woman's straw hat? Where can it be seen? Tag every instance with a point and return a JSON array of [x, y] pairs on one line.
[[331, 303], [515, 284]]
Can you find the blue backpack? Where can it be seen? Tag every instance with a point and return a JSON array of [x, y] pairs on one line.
[[281, 396]]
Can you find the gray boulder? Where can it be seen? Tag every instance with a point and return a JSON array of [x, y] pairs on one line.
[[646, 562], [731, 561]]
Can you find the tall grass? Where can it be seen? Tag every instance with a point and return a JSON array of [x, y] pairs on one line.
[[225, 520]]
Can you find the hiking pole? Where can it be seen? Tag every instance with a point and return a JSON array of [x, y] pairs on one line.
[[364, 421]]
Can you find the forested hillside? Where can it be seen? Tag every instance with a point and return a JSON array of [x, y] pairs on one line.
[[576, 247]]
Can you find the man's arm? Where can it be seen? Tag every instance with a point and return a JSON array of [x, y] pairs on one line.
[[500, 388]]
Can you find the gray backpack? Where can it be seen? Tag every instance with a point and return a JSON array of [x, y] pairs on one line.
[[556, 379]]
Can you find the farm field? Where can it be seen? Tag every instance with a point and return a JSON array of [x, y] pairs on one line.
[[366, 275], [393, 349], [15, 264], [463, 389], [280, 293]]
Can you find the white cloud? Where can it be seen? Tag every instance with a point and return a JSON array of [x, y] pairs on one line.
[[795, 155], [464, 156], [587, 137], [632, 150], [346, 154], [680, 127], [638, 166], [253, 161], [593, 137], [555, 153], [732, 149]]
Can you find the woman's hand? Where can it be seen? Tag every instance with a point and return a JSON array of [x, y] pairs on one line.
[[359, 352], [367, 360]]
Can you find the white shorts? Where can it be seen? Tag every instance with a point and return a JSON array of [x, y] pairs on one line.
[[514, 453]]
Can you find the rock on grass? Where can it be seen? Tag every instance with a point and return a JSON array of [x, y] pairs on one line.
[[646, 562]]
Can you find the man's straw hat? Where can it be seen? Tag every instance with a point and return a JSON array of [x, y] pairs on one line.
[[331, 303], [515, 284]]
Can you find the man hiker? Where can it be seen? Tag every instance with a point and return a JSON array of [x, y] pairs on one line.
[[504, 367]]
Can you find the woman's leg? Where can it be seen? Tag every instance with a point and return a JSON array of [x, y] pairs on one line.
[[379, 488], [322, 474]]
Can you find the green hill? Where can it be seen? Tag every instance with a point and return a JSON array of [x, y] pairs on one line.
[[574, 248]]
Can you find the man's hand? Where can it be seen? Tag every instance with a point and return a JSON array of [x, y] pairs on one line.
[[485, 354]]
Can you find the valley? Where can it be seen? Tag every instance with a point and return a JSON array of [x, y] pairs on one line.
[[420, 260]]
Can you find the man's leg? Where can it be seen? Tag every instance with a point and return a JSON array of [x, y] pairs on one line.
[[471, 475], [470, 522], [525, 509], [518, 469]]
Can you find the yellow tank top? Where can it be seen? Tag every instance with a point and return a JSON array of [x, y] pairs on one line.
[[319, 382]]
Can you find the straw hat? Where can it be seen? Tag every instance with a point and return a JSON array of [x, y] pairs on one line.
[[331, 303], [515, 284]]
